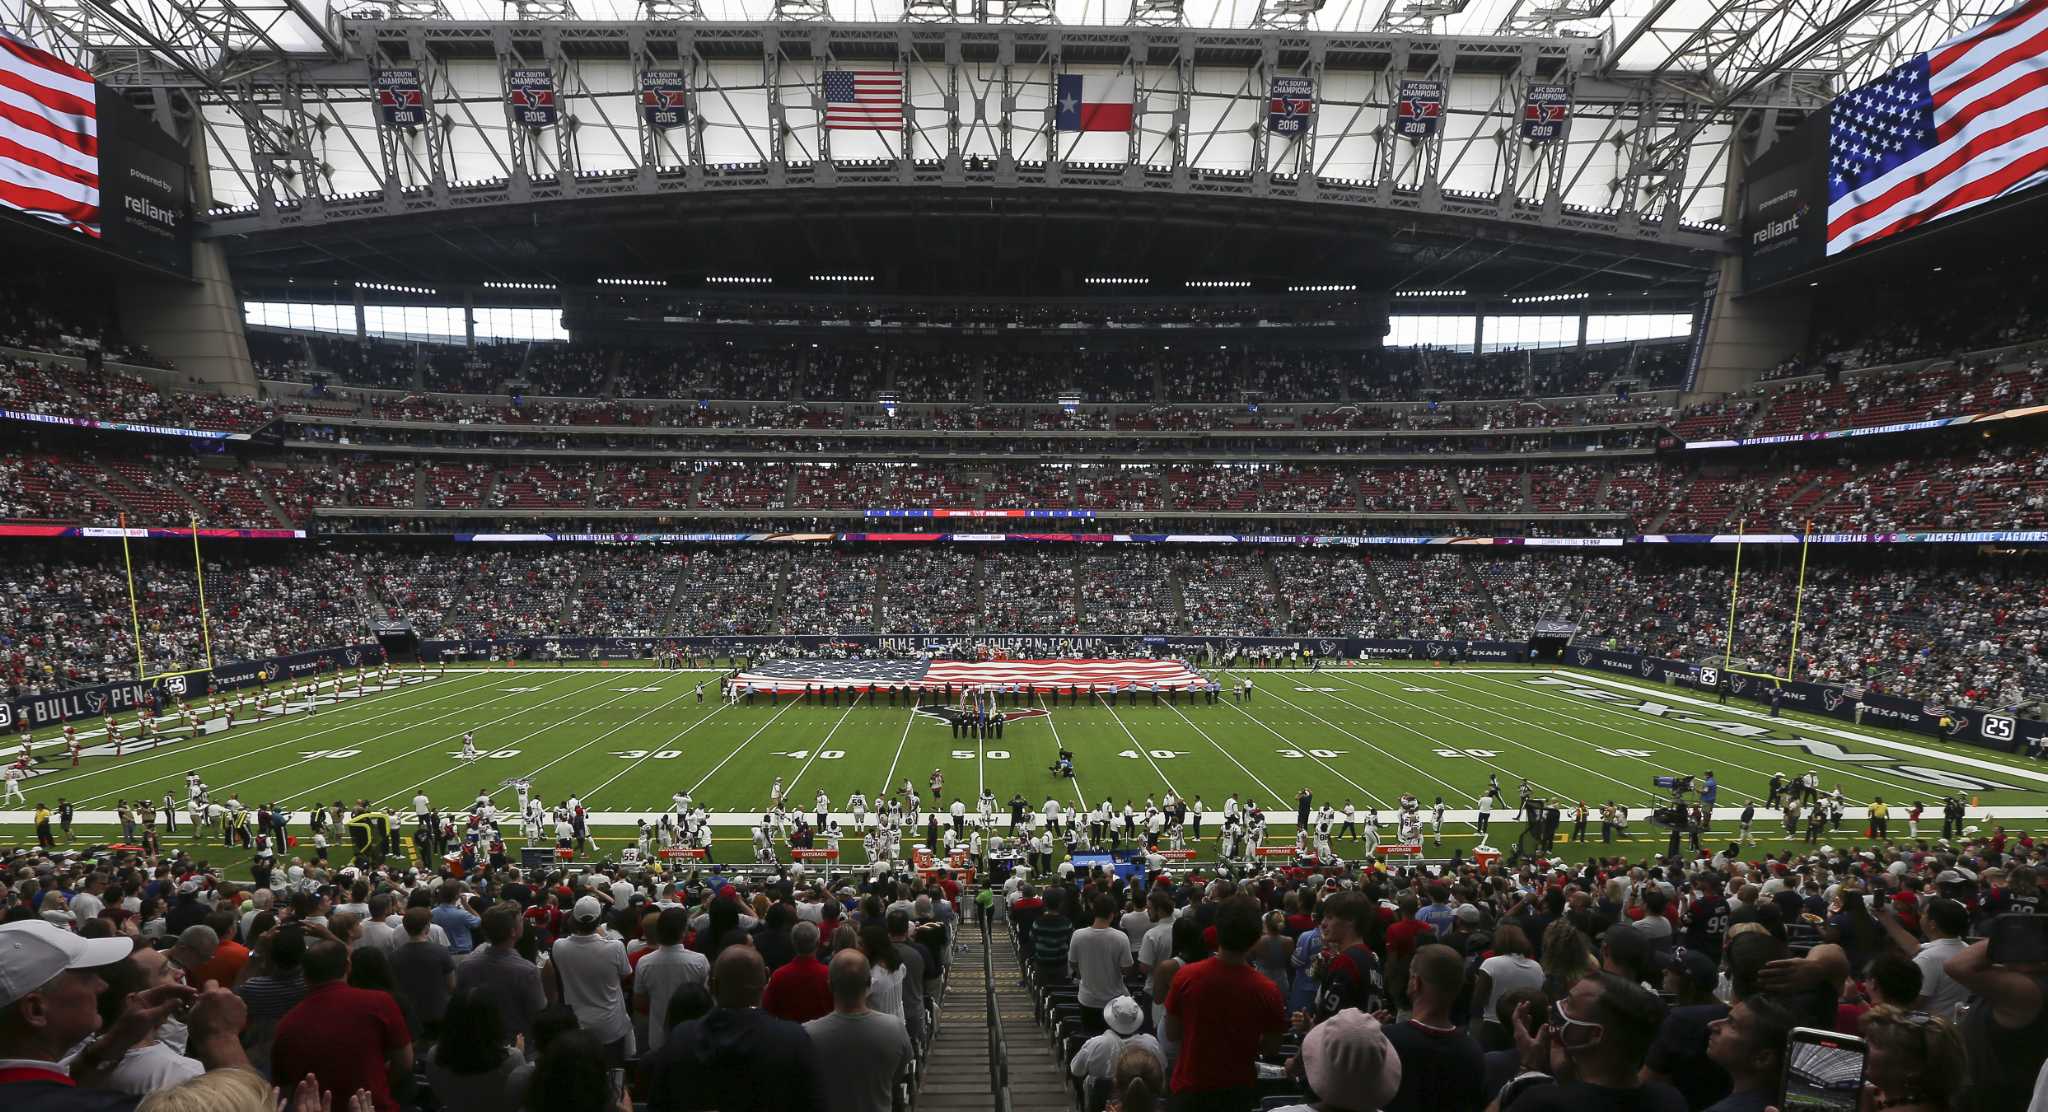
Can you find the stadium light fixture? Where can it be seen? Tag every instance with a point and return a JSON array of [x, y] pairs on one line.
[[842, 277], [1113, 280], [1537, 298], [1338, 287], [1217, 284], [389, 287], [1430, 293], [739, 280], [631, 282], [519, 285]]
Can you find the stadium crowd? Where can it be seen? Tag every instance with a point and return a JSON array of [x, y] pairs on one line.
[[1953, 633], [1325, 981]]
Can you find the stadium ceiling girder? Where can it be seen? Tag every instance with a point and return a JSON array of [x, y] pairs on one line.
[[1642, 162], [971, 235]]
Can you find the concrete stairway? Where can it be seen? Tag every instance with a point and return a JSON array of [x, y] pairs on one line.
[[957, 1076]]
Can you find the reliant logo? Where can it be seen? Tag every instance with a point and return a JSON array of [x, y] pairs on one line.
[[1764, 735], [144, 207], [1776, 229]]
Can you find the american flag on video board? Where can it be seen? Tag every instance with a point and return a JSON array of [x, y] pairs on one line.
[[864, 100], [1962, 124], [49, 138], [793, 675]]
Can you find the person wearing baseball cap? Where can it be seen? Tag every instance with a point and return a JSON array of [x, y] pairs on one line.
[[1349, 1064], [593, 971], [49, 1002]]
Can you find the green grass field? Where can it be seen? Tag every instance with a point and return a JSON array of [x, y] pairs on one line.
[[625, 739]]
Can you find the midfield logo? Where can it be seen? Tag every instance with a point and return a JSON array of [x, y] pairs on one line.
[[940, 713]]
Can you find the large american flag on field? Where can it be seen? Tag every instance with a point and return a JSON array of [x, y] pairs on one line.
[[1038, 675], [49, 138], [864, 100], [1955, 127]]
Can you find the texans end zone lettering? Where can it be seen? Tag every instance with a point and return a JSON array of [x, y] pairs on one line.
[[1417, 109], [1545, 111]]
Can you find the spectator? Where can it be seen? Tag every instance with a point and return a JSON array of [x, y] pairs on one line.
[[1509, 968], [886, 971], [218, 1091], [1223, 1014], [453, 915], [224, 965], [1916, 1062], [424, 972], [737, 1058], [574, 1074], [1749, 1045], [800, 991], [1441, 1065], [1097, 1058], [1140, 1082], [1099, 955], [2006, 1030], [348, 1038], [1590, 1057], [592, 971], [498, 971], [862, 1052], [1050, 936], [915, 969], [1679, 1056], [671, 966], [1350, 1064], [474, 1067], [150, 1064]]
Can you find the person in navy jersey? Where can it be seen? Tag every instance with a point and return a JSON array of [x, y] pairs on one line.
[[1706, 917]]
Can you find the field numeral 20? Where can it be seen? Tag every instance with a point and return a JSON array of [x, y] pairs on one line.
[[1480, 753], [992, 754], [1623, 752]]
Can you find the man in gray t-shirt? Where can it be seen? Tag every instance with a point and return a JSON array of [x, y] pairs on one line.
[[593, 974], [864, 1052], [1099, 955]]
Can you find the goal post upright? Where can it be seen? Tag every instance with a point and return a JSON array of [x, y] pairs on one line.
[[1734, 593], [1798, 600], [134, 610]]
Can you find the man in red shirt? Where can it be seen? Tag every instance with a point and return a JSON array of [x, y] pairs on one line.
[[799, 991], [347, 1038], [1224, 1014]]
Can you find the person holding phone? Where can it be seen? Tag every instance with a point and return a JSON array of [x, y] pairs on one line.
[[2007, 1030]]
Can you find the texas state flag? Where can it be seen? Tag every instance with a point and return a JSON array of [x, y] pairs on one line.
[[1094, 103]]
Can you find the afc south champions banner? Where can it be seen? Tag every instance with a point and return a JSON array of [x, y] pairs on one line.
[[531, 91], [1292, 102], [401, 97], [663, 97], [1545, 111], [1417, 108]]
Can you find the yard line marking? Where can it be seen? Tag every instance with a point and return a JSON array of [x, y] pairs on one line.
[[308, 793], [889, 777], [742, 745], [418, 785], [160, 752], [1688, 728], [528, 777], [672, 739], [1135, 743], [302, 739], [1058, 744], [1506, 740], [1293, 744], [1430, 738], [1232, 759], [857, 696]]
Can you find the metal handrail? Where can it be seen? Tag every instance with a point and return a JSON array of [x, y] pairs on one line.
[[998, 1051]]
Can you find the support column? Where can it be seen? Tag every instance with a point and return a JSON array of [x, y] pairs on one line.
[[1745, 336], [196, 324]]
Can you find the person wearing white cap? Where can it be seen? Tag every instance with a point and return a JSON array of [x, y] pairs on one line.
[[49, 1003], [593, 972], [1096, 1060], [1350, 1064]]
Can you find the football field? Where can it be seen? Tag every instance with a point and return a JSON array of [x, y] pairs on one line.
[[624, 740]]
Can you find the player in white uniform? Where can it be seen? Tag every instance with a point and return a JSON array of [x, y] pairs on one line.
[[72, 743], [858, 804], [195, 787], [469, 746], [15, 774], [775, 794], [1436, 820]]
